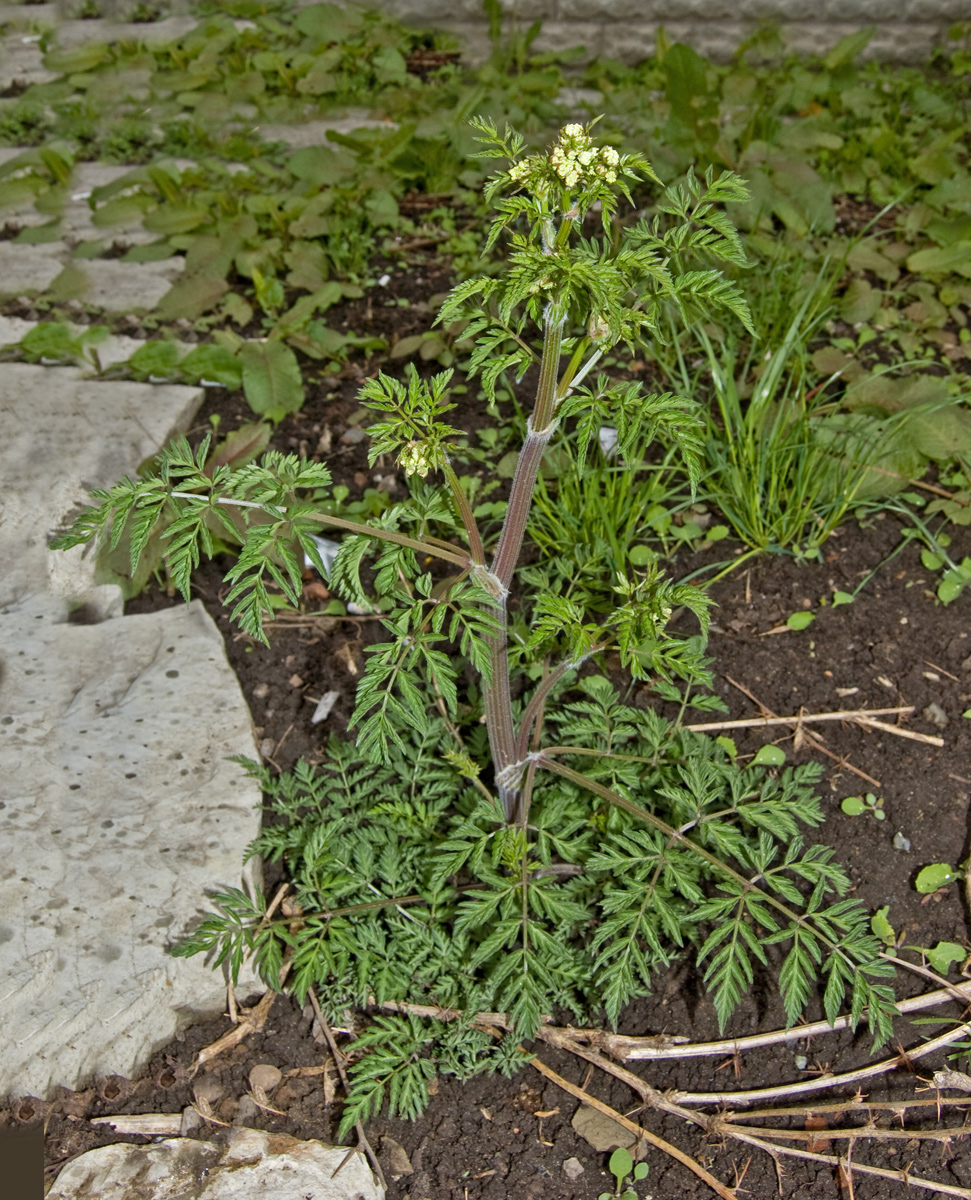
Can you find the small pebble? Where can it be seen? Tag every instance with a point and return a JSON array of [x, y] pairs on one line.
[[246, 1110], [352, 436], [935, 714], [324, 706], [266, 747], [801, 1061], [191, 1121], [265, 1076], [572, 1168], [261, 690], [209, 1089], [900, 842]]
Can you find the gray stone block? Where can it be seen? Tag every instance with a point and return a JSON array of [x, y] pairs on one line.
[[63, 433], [119, 811], [246, 1163], [29, 269], [118, 286], [565, 35], [21, 62], [314, 133], [80, 33]]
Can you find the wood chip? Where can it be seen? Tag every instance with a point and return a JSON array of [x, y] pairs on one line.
[[150, 1124]]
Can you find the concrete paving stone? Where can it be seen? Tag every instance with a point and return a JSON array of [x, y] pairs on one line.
[[314, 133], [79, 33], [13, 329], [245, 1164], [118, 286], [119, 811], [63, 433], [21, 62], [27, 270], [23, 15]]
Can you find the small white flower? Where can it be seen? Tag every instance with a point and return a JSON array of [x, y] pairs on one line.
[[414, 459], [573, 130]]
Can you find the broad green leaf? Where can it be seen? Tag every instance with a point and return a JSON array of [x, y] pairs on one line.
[[935, 876], [728, 745], [159, 359], [853, 806], [799, 620], [214, 364], [944, 954], [327, 22], [76, 60], [769, 756], [271, 379], [191, 296], [940, 259], [125, 210], [406, 347], [941, 433], [168, 220], [621, 1164], [641, 556], [882, 928], [842, 598], [847, 48], [50, 339]]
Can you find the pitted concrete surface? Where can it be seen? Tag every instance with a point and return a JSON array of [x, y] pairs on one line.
[[119, 811], [118, 807]]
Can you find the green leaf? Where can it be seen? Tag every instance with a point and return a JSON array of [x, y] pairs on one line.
[[882, 928], [214, 364], [799, 620], [620, 1165], [728, 745], [158, 359], [769, 756], [641, 556], [847, 48], [168, 219], [944, 954], [271, 379], [931, 561], [935, 876], [191, 296], [853, 806], [843, 598]]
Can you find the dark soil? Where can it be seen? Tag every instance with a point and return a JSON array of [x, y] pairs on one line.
[[490, 1138]]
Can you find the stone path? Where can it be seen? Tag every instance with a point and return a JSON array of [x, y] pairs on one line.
[[119, 809]]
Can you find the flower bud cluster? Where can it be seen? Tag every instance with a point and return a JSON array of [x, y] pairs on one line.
[[414, 459], [574, 158]]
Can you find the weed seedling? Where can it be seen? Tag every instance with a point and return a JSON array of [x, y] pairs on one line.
[[626, 1173], [856, 806]]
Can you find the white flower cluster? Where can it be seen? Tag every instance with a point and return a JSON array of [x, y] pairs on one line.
[[414, 459], [575, 158]]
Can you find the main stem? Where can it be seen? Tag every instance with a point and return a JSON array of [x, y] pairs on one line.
[[498, 698]]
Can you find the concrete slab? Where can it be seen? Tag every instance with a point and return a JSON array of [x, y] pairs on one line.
[[246, 1163], [126, 287], [80, 33], [28, 270], [314, 133], [119, 810], [21, 62], [61, 433]]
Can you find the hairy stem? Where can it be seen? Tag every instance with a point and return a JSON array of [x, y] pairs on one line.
[[497, 695]]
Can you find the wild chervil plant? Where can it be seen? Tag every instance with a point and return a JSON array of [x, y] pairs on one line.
[[479, 846]]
